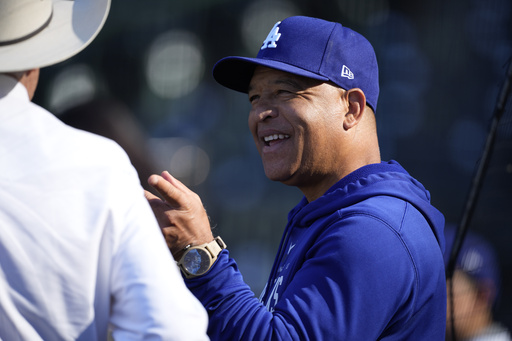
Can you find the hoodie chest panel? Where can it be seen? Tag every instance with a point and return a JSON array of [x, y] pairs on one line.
[[291, 259]]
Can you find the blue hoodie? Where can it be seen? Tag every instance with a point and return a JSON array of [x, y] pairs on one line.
[[362, 262]]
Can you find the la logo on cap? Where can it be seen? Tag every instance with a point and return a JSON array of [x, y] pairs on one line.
[[272, 38]]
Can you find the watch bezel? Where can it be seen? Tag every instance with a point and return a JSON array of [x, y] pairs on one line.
[[203, 264], [207, 252]]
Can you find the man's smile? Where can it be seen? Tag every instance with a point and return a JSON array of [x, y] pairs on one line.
[[275, 137]]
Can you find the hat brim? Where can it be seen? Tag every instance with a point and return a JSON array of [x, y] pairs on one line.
[[236, 72], [73, 26]]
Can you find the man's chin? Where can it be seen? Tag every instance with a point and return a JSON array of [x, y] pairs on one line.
[[277, 176], [283, 178]]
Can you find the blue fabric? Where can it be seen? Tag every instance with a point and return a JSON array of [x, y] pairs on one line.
[[362, 262]]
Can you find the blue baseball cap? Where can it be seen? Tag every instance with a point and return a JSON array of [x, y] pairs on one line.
[[313, 48], [476, 257]]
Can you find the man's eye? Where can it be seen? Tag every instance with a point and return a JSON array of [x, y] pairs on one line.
[[253, 98], [284, 92]]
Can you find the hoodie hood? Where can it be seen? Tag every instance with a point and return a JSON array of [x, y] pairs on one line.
[[384, 179]]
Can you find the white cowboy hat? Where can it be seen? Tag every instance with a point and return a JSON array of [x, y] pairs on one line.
[[39, 33]]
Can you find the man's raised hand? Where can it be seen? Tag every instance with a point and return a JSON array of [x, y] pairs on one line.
[[181, 215]]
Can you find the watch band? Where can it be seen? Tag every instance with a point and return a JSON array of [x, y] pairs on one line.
[[197, 260], [215, 247]]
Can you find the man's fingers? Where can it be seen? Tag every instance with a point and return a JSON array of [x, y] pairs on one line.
[[168, 191], [175, 182], [150, 196], [167, 176]]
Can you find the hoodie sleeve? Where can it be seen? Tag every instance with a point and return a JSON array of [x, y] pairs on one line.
[[354, 280]]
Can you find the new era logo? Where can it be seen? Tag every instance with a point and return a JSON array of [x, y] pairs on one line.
[[345, 72]]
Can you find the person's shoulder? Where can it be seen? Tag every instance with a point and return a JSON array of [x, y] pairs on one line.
[[93, 142], [364, 224], [377, 220], [379, 208], [85, 150]]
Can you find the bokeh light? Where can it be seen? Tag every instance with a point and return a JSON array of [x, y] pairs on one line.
[[174, 64], [191, 164], [260, 17], [182, 158]]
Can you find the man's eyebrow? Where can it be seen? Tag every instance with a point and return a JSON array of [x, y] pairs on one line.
[[296, 84], [291, 82]]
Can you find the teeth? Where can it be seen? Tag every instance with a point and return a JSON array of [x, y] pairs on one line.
[[275, 137]]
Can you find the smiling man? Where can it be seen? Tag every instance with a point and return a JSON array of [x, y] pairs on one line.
[[361, 256], [297, 124]]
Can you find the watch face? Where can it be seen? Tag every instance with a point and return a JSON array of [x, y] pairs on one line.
[[196, 261]]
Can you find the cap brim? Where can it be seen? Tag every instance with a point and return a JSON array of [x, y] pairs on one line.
[[73, 26], [236, 72]]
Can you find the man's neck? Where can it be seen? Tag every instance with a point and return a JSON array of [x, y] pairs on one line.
[[29, 79]]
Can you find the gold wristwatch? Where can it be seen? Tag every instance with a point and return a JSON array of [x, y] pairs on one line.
[[197, 260]]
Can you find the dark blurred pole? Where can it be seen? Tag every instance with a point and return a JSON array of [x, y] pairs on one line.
[[476, 186]]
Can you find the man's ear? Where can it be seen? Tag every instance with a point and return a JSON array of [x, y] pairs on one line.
[[356, 105]]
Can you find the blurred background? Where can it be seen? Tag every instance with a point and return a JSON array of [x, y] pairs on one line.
[[146, 82]]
